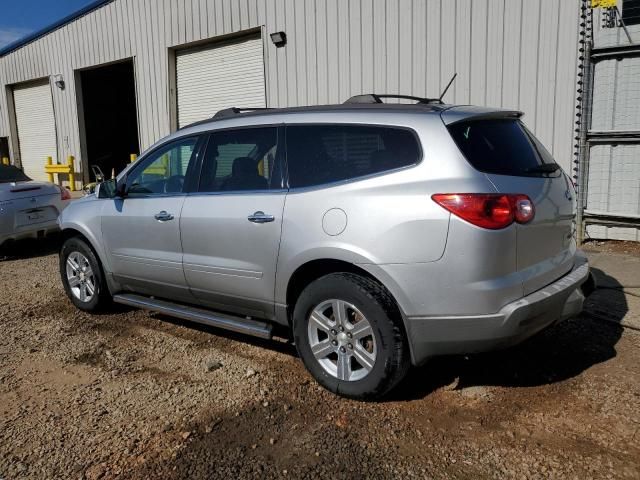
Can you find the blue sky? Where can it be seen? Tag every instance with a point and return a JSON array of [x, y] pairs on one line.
[[22, 17]]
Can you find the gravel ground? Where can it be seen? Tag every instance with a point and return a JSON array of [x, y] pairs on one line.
[[136, 395]]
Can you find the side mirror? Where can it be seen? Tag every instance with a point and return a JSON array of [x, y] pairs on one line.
[[121, 187], [107, 189]]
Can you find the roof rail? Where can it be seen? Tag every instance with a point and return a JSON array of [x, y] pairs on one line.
[[233, 111], [377, 98]]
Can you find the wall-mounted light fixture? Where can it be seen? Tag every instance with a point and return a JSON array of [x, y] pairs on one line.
[[279, 39], [59, 81]]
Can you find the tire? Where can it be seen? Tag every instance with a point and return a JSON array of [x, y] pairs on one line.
[[340, 364], [76, 252]]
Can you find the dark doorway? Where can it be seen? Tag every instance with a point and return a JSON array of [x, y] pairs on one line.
[[110, 117], [4, 148]]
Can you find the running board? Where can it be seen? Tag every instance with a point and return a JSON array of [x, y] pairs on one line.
[[205, 317]]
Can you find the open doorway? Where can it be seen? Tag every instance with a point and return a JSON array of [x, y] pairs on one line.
[[110, 117]]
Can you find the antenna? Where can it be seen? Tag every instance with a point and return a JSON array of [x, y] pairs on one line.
[[447, 87]]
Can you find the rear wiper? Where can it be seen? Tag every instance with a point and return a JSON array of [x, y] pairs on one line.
[[544, 168]]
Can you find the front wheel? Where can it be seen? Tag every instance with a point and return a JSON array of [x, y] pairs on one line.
[[82, 276], [349, 334]]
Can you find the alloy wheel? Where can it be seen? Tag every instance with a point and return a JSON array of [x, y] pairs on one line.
[[342, 340], [80, 277]]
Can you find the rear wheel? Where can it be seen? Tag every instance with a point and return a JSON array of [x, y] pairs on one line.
[[82, 276], [349, 334]]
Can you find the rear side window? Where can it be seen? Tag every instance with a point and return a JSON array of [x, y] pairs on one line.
[[319, 154], [503, 147]]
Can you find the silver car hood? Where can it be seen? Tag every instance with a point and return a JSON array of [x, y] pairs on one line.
[[32, 188]]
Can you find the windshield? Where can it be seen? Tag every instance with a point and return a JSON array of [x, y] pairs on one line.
[[503, 147], [9, 173]]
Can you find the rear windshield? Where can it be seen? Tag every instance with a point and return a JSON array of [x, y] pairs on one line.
[[9, 173], [503, 147]]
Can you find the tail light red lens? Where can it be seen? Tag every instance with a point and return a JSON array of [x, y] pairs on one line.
[[65, 194], [488, 210]]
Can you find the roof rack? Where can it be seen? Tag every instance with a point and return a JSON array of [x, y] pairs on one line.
[[377, 98], [230, 112]]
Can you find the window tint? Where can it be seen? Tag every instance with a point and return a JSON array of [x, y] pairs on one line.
[[241, 160], [503, 147], [164, 171], [318, 154]]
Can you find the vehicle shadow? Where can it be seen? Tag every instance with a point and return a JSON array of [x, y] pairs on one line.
[[560, 352], [30, 247]]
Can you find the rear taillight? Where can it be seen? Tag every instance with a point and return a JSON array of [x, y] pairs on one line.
[[65, 194], [488, 210]]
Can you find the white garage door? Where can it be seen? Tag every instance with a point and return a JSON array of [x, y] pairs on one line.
[[36, 127], [211, 79]]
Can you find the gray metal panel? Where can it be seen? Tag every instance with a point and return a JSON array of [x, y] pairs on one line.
[[519, 54], [608, 37], [614, 188]]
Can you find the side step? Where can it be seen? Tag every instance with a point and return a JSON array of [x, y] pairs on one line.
[[206, 317]]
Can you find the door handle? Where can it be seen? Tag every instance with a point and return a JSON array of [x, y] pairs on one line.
[[261, 217], [163, 216]]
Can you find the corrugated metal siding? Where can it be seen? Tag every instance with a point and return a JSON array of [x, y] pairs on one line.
[[614, 169], [608, 37], [507, 53], [616, 95], [613, 181]]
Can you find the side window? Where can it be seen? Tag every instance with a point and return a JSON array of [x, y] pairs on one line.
[[165, 170], [318, 154], [241, 160]]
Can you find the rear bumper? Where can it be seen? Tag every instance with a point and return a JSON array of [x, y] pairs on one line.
[[29, 231], [515, 322]]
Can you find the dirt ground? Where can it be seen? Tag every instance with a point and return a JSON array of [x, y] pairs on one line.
[[135, 395]]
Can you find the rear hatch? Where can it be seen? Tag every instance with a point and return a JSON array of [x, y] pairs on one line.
[[499, 145]]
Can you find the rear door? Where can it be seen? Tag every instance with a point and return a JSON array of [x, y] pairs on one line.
[[516, 162], [231, 226], [142, 231]]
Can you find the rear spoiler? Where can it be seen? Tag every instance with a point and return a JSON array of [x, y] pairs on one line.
[[468, 113]]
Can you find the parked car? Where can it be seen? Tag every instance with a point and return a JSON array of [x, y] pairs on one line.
[[381, 234], [28, 208]]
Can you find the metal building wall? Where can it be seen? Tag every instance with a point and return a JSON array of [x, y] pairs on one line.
[[613, 187], [508, 53]]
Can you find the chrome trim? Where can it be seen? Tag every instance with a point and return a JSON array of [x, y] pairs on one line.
[[198, 315]]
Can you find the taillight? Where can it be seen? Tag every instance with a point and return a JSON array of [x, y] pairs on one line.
[[488, 210], [523, 209], [65, 194]]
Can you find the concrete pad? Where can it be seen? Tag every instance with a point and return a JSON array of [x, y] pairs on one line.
[[615, 270], [617, 297]]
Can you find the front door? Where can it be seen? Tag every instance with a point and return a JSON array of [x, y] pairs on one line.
[[231, 226], [142, 231]]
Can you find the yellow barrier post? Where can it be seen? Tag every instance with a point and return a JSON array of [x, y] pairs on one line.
[[51, 168], [5, 161], [133, 157], [72, 173], [49, 172]]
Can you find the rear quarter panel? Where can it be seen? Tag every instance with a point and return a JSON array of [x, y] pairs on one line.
[[389, 219]]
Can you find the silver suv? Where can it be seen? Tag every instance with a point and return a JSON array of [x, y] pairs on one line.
[[380, 234]]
